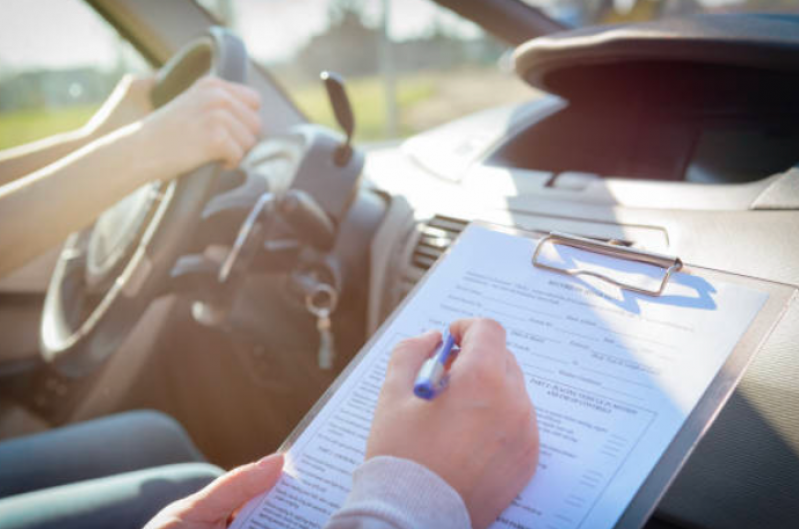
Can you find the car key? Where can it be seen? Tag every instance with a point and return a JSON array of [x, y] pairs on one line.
[[321, 303]]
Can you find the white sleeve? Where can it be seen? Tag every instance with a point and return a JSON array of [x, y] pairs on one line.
[[394, 493]]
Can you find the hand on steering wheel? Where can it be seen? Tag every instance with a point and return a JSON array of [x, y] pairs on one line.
[[108, 274], [214, 120]]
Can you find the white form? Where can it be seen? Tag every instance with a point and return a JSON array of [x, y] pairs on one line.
[[612, 374]]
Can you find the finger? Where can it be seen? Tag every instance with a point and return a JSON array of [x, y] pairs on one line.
[[483, 345], [242, 112], [239, 132], [228, 150], [232, 490], [408, 357], [244, 93]]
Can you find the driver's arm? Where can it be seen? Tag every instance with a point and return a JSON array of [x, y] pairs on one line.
[[129, 102], [213, 120]]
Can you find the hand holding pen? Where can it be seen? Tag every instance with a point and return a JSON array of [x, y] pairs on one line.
[[479, 435], [433, 376]]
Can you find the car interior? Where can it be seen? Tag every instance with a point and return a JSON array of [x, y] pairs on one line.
[[206, 298]]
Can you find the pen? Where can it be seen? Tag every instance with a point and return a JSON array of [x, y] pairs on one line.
[[433, 376]]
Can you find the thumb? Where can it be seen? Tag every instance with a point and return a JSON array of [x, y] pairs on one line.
[[235, 488], [409, 355]]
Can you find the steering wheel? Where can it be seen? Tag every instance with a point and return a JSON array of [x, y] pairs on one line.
[[107, 274]]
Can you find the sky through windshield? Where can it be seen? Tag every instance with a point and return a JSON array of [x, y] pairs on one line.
[[274, 29]]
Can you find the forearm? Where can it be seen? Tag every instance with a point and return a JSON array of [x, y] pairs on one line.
[[17, 162], [212, 121], [39, 210], [129, 102]]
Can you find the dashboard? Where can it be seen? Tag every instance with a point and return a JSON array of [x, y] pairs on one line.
[[696, 162], [679, 138], [749, 455]]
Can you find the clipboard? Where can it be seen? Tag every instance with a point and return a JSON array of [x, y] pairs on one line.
[[699, 420]]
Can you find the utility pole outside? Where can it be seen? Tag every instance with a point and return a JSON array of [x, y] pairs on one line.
[[388, 73]]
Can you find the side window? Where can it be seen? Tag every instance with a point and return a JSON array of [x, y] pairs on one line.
[[59, 60]]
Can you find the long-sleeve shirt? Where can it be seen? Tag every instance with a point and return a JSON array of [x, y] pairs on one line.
[[394, 493]]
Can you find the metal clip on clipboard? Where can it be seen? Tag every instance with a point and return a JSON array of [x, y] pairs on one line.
[[668, 264]]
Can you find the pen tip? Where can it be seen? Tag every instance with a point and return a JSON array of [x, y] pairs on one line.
[[423, 391]]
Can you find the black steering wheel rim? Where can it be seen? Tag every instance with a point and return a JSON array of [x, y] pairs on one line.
[[75, 345]]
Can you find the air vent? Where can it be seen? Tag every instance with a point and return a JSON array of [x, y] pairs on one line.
[[434, 237]]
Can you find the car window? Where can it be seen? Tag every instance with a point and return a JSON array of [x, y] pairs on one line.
[[58, 61], [580, 13], [409, 64]]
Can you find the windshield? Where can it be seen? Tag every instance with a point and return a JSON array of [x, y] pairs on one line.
[[579, 13], [408, 68], [410, 64]]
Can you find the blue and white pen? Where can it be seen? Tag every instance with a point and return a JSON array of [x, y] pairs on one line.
[[433, 376]]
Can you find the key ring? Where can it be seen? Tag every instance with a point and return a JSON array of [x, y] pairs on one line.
[[322, 300]]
